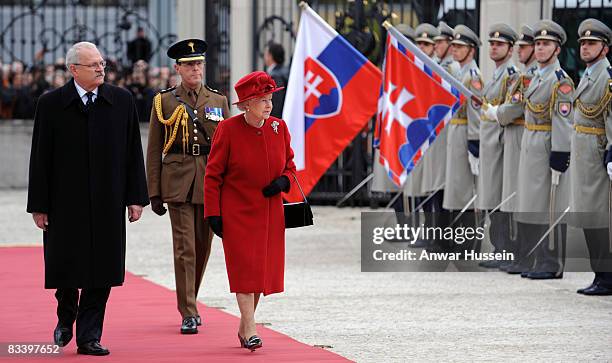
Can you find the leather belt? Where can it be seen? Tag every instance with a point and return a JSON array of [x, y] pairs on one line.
[[590, 130], [518, 121], [193, 149], [538, 127], [459, 121]]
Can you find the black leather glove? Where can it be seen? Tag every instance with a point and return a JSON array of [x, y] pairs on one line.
[[607, 158], [474, 147], [559, 161], [280, 184], [216, 224], [158, 206]]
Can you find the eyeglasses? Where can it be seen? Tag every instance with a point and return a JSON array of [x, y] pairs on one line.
[[101, 64]]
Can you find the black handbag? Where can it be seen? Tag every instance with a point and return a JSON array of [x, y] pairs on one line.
[[298, 214]]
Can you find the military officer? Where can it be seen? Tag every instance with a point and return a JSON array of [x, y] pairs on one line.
[[443, 51], [590, 182], [420, 180], [463, 130], [183, 120], [510, 115], [543, 188], [501, 44]]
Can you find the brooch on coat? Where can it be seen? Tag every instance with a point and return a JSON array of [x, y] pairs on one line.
[[274, 125]]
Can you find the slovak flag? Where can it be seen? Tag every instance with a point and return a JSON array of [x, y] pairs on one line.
[[415, 104], [331, 94]]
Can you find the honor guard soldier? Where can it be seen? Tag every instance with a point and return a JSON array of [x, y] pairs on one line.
[[510, 115], [590, 180], [443, 51], [543, 189], [183, 121], [490, 180], [462, 138]]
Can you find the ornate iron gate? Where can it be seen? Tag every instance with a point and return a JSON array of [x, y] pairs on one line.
[[218, 38], [44, 30]]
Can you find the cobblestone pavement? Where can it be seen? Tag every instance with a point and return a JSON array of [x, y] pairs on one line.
[[374, 317]]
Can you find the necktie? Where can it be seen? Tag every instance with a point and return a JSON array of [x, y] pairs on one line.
[[89, 100], [194, 97]]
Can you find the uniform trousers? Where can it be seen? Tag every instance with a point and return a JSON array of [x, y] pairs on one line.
[[191, 240]]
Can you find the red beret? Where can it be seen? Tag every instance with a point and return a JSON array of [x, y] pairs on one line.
[[254, 85]]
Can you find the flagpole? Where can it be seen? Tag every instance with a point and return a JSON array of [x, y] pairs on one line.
[[430, 63]]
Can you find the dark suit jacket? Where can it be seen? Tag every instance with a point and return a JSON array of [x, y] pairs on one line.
[[280, 75]]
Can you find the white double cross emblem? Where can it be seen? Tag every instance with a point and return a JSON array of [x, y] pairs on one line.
[[312, 84]]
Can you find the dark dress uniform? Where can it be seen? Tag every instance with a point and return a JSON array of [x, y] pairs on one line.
[[180, 132]]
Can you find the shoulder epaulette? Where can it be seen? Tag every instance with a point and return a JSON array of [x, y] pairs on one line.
[[560, 73], [168, 89], [511, 70], [213, 90]]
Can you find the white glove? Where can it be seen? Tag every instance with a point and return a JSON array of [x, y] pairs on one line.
[[609, 167], [489, 111], [555, 175], [474, 163]]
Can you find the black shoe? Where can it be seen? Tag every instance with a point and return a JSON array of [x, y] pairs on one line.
[[253, 343], [541, 275], [198, 320], [92, 348], [525, 274], [515, 269], [597, 290], [490, 264], [62, 336], [591, 286], [242, 341], [189, 326]]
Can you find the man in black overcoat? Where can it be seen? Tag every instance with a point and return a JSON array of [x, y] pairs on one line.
[[86, 168]]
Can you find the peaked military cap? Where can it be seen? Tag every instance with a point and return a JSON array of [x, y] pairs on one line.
[[426, 32], [446, 32], [463, 35], [593, 29], [549, 30], [406, 30], [526, 35], [501, 32], [187, 50]]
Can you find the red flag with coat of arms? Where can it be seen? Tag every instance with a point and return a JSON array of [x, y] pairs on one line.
[[414, 106]]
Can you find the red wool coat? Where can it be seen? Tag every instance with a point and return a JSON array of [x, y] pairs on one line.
[[243, 160]]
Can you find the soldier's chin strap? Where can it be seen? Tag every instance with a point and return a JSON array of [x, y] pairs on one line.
[[551, 56], [464, 58], [603, 46], [530, 57], [445, 52]]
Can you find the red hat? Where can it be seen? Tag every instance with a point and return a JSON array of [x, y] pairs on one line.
[[254, 85]]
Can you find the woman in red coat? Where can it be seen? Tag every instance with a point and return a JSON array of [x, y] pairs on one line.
[[250, 163]]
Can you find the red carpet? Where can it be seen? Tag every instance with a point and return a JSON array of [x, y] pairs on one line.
[[141, 323]]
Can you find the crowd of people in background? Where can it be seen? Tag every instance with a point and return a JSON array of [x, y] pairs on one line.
[[22, 85]]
